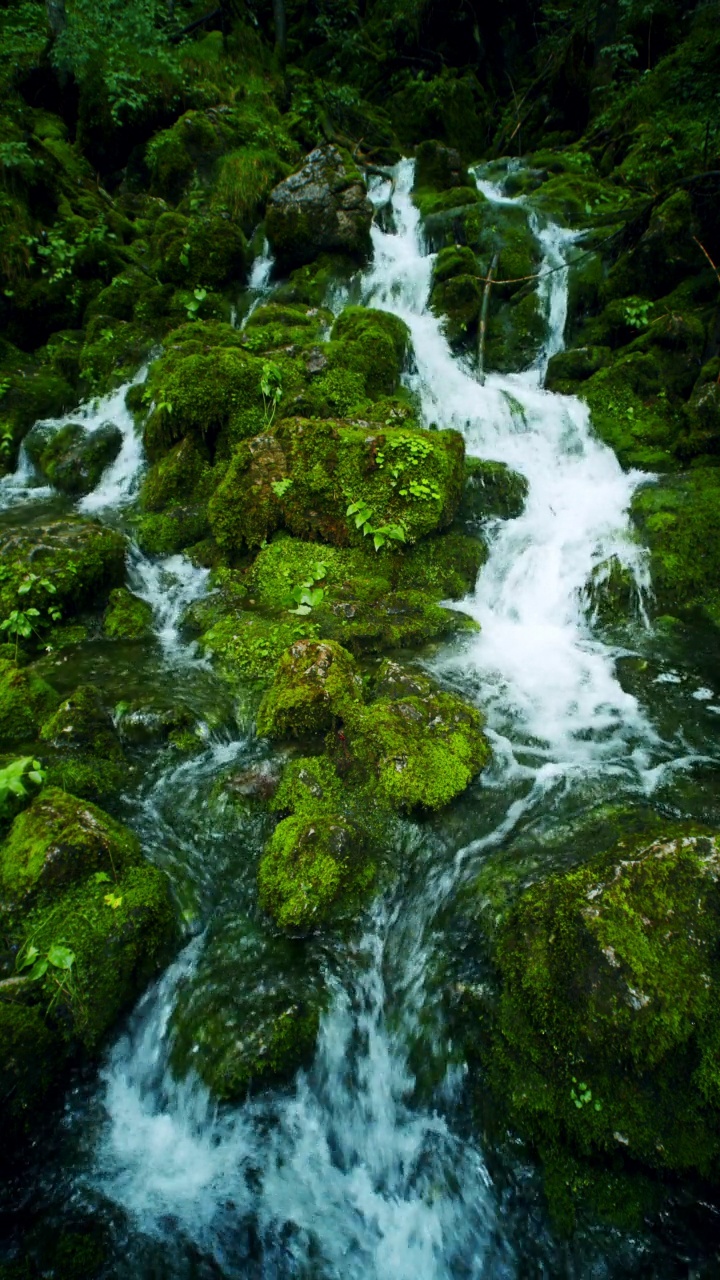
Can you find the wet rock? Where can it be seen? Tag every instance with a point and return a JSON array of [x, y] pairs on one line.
[[605, 1039], [313, 683], [492, 489], [439, 167], [323, 208], [87, 756], [127, 617], [73, 458]]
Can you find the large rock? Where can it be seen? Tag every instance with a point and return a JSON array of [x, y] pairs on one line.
[[73, 458], [323, 208]]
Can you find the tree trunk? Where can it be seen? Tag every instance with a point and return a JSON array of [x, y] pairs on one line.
[[606, 31], [57, 18], [280, 30]]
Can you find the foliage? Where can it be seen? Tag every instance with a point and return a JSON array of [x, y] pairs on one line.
[[14, 778]]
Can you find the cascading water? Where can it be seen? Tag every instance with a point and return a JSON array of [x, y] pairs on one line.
[[344, 1175], [358, 1169]]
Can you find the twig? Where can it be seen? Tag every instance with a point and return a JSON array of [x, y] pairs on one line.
[[482, 329], [707, 255]]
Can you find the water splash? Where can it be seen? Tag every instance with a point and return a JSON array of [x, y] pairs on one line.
[[169, 586]]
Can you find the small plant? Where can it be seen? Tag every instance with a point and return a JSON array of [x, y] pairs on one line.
[[382, 533], [280, 487], [582, 1096], [56, 964], [15, 776], [307, 596], [6, 441], [18, 623], [185, 255], [637, 314], [271, 389], [193, 306]]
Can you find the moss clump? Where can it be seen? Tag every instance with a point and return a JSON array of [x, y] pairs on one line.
[[605, 1040], [127, 617], [317, 865], [87, 758], [32, 1053], [73, 458], [25, 701], [314, 683], [679, 517], [459, 300], [423, 747], [248, 1017], [404, 476], [517, 330], [492, 490], [202, 250], [439, 167], [60, 839], [80, 559], [248, 646], [372, 343], [631, 411]]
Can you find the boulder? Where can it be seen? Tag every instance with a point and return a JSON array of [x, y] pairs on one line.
[[323, 208], [73, 458]]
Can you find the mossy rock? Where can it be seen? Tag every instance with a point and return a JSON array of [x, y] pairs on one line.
[[205, 250], [405, 477], [73, 458], [372, 343], [314, 683], [25, 701], [323, 208], [60, 839], [87, 758], [679, 518], [127, 617], [516, 333], [439, 167], [81, 560], [423, 748], [174, 496], [492, 490], [459, 300], [320, 863], [632, 412], [248, 646], [605, 1039], [248, 1016], [568, 368], [32, 1054]]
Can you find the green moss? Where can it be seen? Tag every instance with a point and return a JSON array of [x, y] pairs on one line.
[[127, 617], [205, 250], [406, 476], [632, 412], [72, 458], [446, 566], [25, 701], [244, 181], [568, 368], [87, 758], [678, 518], [80, 559], [60, 839], [424, 748], [459, 300], [374, 344], [606, 1032], [516, 332], [248, 646], [491, 490], [118, 945], [439, 167], [248, 1017], [314, 683], [198, 391]]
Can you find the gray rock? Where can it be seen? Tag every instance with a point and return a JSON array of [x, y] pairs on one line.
[[323, 208]]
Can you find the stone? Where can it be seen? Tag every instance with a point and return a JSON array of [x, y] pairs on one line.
[[323, 208]]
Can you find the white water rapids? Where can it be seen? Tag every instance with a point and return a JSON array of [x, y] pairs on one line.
[[344, 1175]]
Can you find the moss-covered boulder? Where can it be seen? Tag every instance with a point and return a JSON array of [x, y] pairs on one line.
[[604, 1043], [439, 167], [87, 925], [374, 344], [60, 839], [247, 1017], [66, 565], [71, 457], [314, 683], [319, 863], [323, 208], [203, 250], [422, 746], [127, 617], [492, 489], [679, 519], [87, 758], [402, 482], [25, 702], [174, 497]]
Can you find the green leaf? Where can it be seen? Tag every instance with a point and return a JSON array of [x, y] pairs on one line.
[[102, 877], [39, 969], [60, 957], [31, 955]]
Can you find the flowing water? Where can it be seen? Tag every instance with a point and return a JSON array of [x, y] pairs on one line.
[[364, 1167]]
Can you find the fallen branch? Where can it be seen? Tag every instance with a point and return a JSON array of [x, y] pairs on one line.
[[482, 328]]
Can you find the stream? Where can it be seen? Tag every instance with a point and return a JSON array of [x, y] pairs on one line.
[[364, 1167]]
